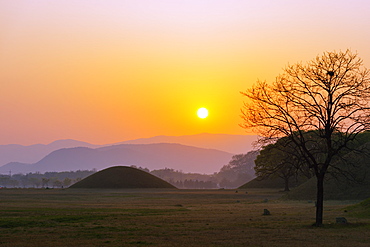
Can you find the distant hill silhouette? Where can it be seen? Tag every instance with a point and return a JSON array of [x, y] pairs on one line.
[[33, 153], [19, 154], [120, 177], [235, 144], [151, 156]]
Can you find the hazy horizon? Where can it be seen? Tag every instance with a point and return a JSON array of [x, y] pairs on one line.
[[126, 140], [107, 71], [19, 158]]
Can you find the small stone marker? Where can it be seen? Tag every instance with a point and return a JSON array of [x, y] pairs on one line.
[[266, 212], [341, 220]]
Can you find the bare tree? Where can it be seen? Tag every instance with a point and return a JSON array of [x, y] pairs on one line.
[[328, 97], [45, 182]]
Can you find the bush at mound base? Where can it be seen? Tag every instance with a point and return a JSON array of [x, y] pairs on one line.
[[119, 177]]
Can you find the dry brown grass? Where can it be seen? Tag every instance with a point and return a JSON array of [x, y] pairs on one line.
[[155, 217]]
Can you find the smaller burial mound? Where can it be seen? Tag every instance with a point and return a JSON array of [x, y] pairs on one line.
[[272, 182], [275, 183], [352, 183], [360, 210], [121, 177]]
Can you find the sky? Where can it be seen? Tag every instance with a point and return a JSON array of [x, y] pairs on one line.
[[105, 71]]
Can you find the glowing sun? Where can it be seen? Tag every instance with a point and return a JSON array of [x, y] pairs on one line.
[[202, 112]]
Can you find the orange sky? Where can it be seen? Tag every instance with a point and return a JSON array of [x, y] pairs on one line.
[[108, 71]]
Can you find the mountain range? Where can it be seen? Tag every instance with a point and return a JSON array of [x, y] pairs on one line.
[[235, 144], [34, 153], [151, 156], [14, 153]]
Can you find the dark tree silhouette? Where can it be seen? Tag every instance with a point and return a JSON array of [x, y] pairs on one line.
[[329, 96], [45, 182], [238, 171], [281, 159]]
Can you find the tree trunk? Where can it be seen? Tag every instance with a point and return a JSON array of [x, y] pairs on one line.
[[319, 200], [286, 184]]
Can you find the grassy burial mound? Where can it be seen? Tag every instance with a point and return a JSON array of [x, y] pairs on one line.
[[361, 210], [338, 188], [333, 190], [264, 183], [353, 183], [272, 182], [121, 177]]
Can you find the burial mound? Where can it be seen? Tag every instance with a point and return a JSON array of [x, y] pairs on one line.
[[120, 177]]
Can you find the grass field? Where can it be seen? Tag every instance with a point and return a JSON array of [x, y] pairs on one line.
[[159, 217]]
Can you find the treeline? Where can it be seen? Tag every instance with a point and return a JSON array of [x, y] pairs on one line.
[[183, 180], [44, 180], [237, 172], [194, 184], [232, 175]]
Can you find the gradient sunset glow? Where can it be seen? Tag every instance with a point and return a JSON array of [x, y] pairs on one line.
[[108, 71]]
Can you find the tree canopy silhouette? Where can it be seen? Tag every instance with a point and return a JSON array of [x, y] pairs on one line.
[[327, 97], [281, 159]]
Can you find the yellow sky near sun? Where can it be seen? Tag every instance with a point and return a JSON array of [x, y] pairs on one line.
[[108, 71]]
